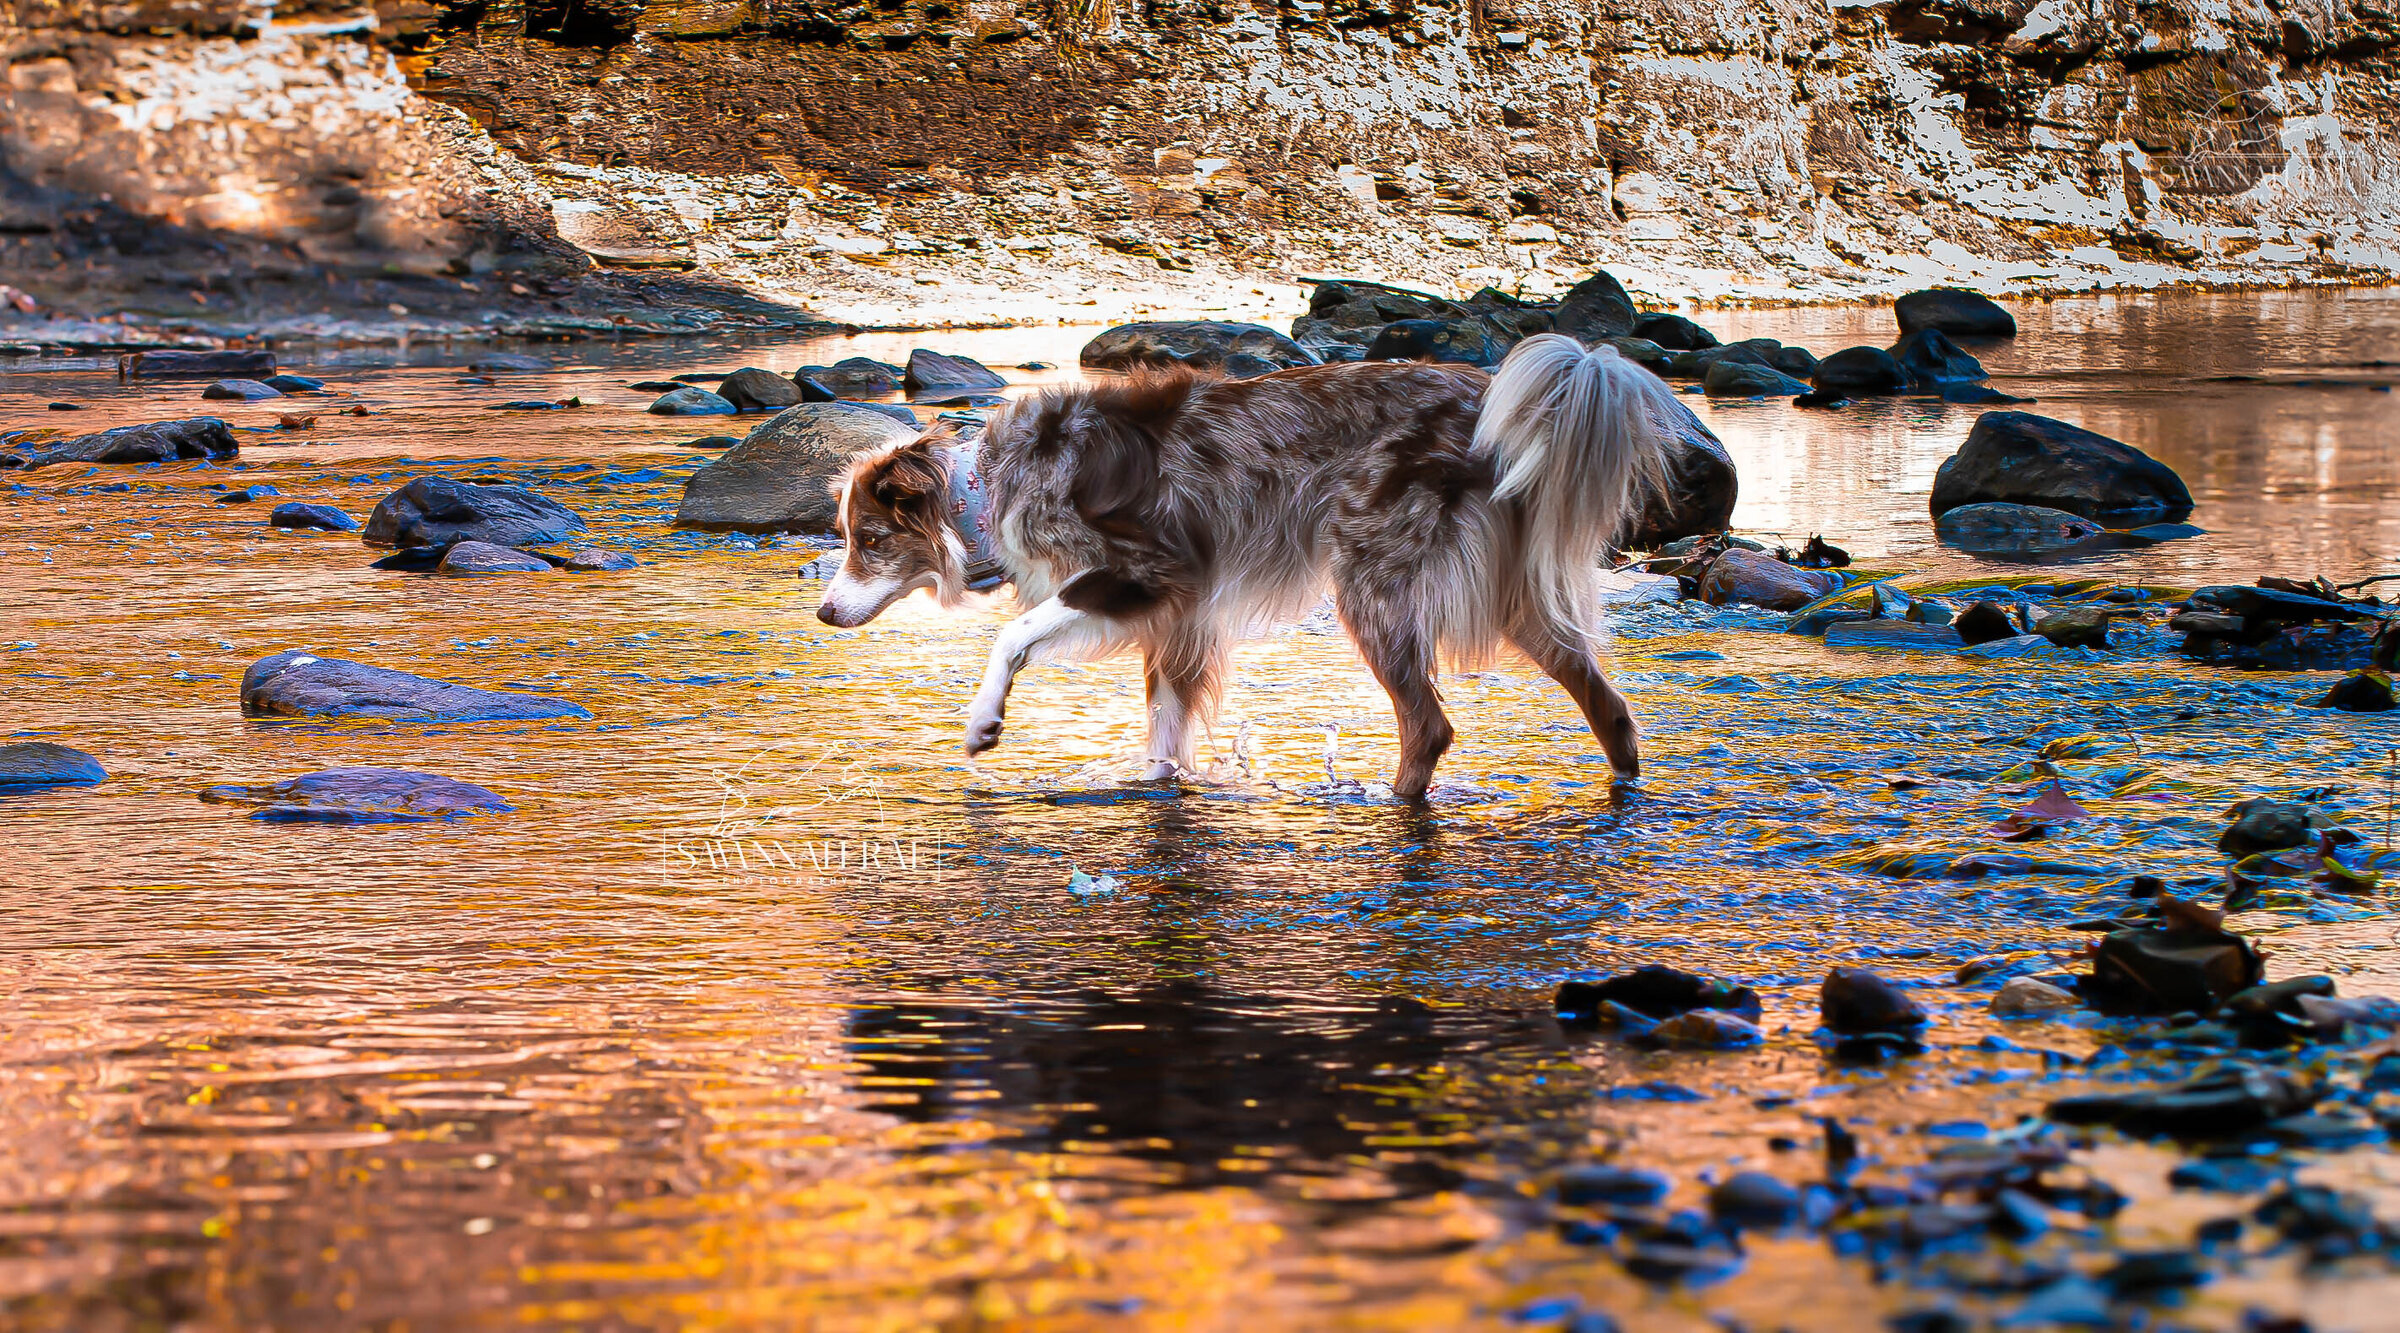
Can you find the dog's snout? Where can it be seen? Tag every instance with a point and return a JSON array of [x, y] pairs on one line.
[[826, 613]]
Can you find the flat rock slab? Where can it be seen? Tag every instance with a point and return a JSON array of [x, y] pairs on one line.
[[296, 684], [467, 559], [316, 518], [154, 442], [242, 391], [44, 764], [780, 479], [360, 796], [439, 512], [194, 365]]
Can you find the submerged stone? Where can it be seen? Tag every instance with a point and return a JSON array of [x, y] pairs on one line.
[[439, 512], [296, 684], [2232, 1100], [25, 764], [362, 795], [1614, 1186], [1762, 580], [473, 558], [320, 518], [2014, 529], [156, 442], [1754, 1201], [2359, 692], [1885, 632], [1655, 991], [1856, 1001], [691, 402]]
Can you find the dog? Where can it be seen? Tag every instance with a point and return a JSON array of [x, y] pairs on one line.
[[1451, 510]]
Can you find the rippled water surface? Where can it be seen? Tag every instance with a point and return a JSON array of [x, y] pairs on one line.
[[765, 1008]]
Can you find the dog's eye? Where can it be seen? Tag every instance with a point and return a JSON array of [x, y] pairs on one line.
[[869, 543]]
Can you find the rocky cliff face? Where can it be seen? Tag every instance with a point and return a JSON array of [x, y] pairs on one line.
[[876, 157]]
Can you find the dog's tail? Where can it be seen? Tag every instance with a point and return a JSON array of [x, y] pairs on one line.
[[1578, 438]]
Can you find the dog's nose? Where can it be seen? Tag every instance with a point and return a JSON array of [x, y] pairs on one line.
[[825, 613]]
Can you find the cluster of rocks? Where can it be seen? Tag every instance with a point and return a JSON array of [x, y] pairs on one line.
[[2284, 625], [461, 528], [935, 378]]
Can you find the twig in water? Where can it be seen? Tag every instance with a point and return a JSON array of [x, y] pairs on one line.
[[2126, 720]]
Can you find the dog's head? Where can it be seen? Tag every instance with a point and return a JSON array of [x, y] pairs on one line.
[[894, 520]]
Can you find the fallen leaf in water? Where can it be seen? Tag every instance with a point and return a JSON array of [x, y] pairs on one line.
[[2183, 914], [358, 410], [2052, 806], [295, 421]]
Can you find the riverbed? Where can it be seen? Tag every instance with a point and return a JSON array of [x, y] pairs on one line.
[[766, 1007]]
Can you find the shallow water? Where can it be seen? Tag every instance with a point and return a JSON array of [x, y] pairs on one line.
[[591, 1064]]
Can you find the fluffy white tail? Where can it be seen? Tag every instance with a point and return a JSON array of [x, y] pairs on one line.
[[1578, 438]]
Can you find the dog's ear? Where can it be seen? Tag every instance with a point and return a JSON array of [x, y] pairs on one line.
[[908, 483]]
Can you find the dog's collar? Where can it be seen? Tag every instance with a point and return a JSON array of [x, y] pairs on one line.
[[970, 517]]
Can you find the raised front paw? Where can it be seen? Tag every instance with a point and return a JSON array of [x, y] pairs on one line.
[[983, 732]]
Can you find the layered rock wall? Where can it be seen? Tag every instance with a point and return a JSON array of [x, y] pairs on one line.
[[858, 153]]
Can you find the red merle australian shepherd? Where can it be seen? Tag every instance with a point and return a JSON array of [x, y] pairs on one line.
[[1451, 510]]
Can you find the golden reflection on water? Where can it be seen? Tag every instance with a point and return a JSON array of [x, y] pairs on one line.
[[608, 1062]]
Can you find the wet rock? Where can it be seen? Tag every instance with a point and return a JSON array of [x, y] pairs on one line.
[[2077, 626], [2271, 1013], [2014, 529], [2359, 692], [1854, 1001], [2170, 969], [531, 405], [1733, 379], [2331, 1222], [67, 407], [1465, 341], [28, 764], [312, 517], [1599, 1184], [753, 390], [1595, 308], [2165, 532], [2226, 1175], [194, 365], [506, 361], [691, 402], [1698, 1030], [1762, 580], [1961, 314], [438, 511], [855, 375], [241, 391], [2020, 458], [1985, 622], [2261, 825], [470, 558], [654, 386], [813, 392], [156, 442], [1654, 991], [1797, 361], [592, 559], [933, 372], [2029, 997], [1701, 483], [2234, 1099], [247, 494], [1932, 360], [1747, 352], [1859, 372], [292, 383], [1642, 352], [1672, 332], [1681, 1249], [297, 684], [411, 560], [360, 795], [2145, 1274], [891, 412], [1203, 344], [1889, 633], [780, 478], [1754, 1201]]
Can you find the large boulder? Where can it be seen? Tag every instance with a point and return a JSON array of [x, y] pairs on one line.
[[26, 764], [467, 559], [156, 442], [1203, 344], [1932, 360], [933, 372], [753, 390], [1462, 340], [440, 512], [359, 796], [1596, 308], [2020, 458], [1958, 313], [1860, 371], [297, 684], [1701, 483], [2009, 529], [780, 479]]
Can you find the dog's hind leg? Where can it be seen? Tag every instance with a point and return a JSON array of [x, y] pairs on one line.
[[1569, 660], [1400, 653], [1048, 632]]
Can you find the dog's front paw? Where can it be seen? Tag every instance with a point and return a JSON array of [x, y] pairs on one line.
[[983, 732]]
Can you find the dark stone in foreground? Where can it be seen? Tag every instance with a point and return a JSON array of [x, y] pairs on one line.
[[439, 511], [194, 365], [465, 559], [245, 391], [360, 796], [2020, 458], [1611, 1186], [1203, 344], [2232, 1100], [933, 372], [320, 518], [1961, 314], [2359, 692], [780, 478], [155, 442], [45, 764], [2261, 825], [1854, 1000], [296, 684]]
